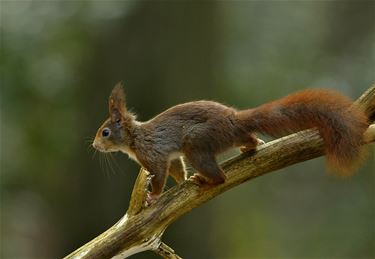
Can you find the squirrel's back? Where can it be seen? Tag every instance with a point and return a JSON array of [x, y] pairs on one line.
[[196, 111]]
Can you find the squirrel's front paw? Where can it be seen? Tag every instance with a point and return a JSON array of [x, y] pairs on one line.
[[151, 198]]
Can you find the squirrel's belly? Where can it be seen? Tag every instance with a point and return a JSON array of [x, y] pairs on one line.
[[175, 155]]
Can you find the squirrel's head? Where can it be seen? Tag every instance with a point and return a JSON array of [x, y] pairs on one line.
[[115, 132]]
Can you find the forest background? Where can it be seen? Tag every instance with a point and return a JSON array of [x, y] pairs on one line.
[[59, 62]]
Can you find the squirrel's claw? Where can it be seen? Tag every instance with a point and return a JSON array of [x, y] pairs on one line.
[[252, 148], [198, 179], [261, 141]]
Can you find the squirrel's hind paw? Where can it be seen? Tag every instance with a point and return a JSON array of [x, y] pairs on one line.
[[252, 148], [198, 179]]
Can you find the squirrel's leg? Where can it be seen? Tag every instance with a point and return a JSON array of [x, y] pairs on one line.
[[177, 170], [158, 180], [250, 143], [208, 170]]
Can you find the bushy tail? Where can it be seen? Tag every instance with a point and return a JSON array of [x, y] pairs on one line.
[[340, 124]]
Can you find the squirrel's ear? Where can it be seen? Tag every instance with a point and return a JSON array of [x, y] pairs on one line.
[[117, 106]]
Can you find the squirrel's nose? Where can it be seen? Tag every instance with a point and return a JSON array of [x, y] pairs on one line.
[[98, 146]]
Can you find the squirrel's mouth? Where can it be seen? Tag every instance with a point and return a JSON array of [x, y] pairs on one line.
[[99, 147]]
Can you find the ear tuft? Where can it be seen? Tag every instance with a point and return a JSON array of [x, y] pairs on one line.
[[116, 102]]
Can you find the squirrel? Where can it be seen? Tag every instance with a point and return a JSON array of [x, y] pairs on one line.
[[199, 130]]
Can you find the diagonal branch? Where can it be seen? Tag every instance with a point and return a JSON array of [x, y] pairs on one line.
[[141, 228]]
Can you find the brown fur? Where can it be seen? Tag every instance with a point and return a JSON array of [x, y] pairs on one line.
[[340, 124], [200, 130]]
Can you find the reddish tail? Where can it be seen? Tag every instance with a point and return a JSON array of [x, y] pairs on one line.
[[340, 124]]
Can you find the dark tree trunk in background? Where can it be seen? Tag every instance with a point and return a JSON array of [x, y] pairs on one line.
[[160, 51]]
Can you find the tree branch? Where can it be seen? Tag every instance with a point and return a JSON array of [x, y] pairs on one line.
[[142, 227]]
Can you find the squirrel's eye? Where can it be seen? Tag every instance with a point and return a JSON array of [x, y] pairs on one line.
[[106, 132]]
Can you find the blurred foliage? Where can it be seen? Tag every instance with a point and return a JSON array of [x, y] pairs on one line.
[[59, 61]]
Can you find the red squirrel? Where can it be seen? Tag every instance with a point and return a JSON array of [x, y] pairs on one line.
[[199, 130]]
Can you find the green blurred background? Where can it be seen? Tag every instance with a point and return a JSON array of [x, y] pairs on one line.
[[59, 61]]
